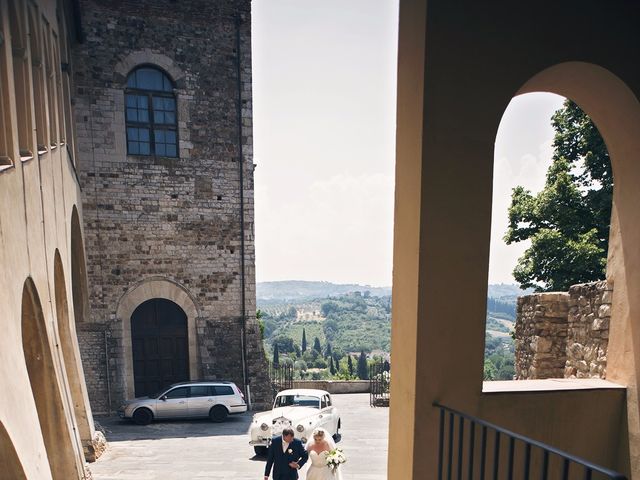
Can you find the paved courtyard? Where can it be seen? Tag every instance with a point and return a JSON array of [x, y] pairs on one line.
[[199, 449]]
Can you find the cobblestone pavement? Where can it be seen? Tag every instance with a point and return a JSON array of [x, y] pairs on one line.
[[199, 449]]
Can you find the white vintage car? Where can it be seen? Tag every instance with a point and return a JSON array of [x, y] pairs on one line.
[[301, 409]]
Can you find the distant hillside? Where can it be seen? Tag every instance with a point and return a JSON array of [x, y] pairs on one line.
[[270, 292], [506, 292], [352, 321]]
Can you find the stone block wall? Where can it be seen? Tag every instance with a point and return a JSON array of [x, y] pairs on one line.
[[93, 339], [563, 335], [588, 327], [162, 217], [541, 333]]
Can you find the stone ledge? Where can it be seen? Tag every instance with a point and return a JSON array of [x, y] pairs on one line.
[[549, 385]]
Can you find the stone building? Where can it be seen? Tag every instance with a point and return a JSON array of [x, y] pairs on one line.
[[162, 102], [46, 427]]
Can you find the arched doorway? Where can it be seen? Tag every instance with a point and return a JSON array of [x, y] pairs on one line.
[[159, 341], [11, 465], [45, 387]]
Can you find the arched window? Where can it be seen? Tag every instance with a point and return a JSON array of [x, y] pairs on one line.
[[151, 113]]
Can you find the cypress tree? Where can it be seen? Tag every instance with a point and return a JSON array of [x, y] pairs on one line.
[[276, 356], [316, 345], [304, 341], [363, 370], [350, 365], [332, 367]]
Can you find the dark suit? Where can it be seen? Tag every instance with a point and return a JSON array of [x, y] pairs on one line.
[[280, 460]]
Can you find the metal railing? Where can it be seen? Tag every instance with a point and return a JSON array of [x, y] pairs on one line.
[[472, 450], [379, 383], [281, 377]]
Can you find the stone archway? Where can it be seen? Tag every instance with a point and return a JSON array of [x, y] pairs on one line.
[[615, 110], [11, 465], [150, 288], [45, 387]]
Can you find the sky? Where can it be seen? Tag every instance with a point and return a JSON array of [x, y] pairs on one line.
[[324, 98]]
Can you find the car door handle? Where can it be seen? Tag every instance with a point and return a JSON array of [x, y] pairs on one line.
[[210, 400], [181, 401]]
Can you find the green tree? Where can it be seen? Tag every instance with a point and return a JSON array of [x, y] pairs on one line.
[[363, 369], [332, 367], [490, 372], [316, 345], [284, 343], [304, 341], [568, 221], [259, 316], [327, 351], [350, 365], [276, 355]]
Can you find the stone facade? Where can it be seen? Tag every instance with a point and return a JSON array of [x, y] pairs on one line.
[[182, 219], [564, 335]]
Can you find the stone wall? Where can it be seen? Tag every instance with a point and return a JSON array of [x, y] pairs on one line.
[[335, 386], [588, 327], [93, 339], [172, 218], [541, 333], [563, 335]]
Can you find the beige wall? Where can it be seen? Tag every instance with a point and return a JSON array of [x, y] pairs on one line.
[[37, 197], [459, 66]]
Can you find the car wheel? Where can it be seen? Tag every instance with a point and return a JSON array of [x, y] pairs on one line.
[[218, 413], [260, 451], [142, 416]]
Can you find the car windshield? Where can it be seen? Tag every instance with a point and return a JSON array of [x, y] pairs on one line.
[[297, 401]]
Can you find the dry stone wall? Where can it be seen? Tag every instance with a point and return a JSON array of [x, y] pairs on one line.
[[588, 326], [563, 335], [172, 218], [541, 333]]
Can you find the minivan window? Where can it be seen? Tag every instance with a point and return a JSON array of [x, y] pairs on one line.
[[223, 390], [180, 392], [200, 391]]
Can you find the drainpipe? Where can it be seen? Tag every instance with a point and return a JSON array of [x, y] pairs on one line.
[[106, 364], [243, 339]]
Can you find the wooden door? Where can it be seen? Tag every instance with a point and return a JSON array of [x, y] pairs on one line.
[[160, 346]]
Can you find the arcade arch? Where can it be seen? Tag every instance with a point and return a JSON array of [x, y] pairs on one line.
[[70, 353], [45, 386], [11, 465]]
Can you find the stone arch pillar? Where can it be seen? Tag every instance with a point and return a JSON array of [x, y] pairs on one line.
[[156, 287], [79, 282], [455, 80], [46, 388], [11, 465], [72, 363]]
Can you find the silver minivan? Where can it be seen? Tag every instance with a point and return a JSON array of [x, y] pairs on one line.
[[214, 399]]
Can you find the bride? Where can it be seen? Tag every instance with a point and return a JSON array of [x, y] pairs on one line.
[[318, 448]]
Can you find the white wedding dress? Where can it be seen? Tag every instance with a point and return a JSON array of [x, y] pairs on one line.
[[318, 469]]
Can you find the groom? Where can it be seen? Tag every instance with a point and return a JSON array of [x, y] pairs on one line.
[[286, 455]]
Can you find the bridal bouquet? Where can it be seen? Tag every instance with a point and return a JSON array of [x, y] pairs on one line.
[[335, 458]]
